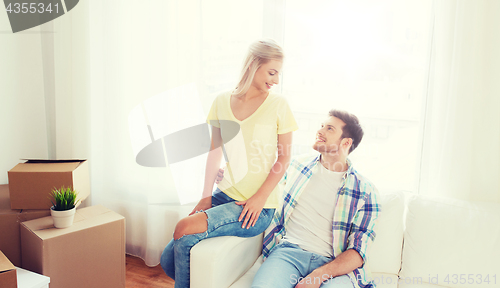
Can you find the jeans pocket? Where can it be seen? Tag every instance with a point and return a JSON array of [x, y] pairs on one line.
[[269, 212]]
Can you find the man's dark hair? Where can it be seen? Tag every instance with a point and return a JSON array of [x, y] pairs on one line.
[[351, 129]]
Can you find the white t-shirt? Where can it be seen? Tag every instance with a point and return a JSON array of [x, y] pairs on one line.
[[310, 224]]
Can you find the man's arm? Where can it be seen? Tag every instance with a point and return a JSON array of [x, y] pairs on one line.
[[362, 233], [345, 263]]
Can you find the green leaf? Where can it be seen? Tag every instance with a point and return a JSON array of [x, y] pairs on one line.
[[64, 198]]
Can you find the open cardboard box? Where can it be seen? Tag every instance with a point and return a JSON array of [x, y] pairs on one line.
[[90, 253], [8, 276], [30, 183], [10, 220]]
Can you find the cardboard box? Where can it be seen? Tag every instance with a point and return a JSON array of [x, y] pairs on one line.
[[90, 253], [8, 276], [10, 220], [31, 182]]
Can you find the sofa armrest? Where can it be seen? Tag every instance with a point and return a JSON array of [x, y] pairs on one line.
[[218, 262]]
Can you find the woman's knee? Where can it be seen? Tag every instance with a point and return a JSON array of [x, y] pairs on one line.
[[193, 224]]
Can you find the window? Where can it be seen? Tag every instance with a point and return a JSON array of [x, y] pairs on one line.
[[369, 58]]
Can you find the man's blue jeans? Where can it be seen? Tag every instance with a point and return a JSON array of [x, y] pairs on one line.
[[222, 220], [288, 264]]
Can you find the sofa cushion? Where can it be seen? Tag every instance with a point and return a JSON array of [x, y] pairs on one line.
[[451, 243], [245, 281], [384, 280], [385, 252]]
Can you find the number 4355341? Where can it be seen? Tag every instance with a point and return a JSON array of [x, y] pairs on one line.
[[32, 8], [470, 279]]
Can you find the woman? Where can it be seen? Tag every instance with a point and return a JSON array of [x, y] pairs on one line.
[[244, 202]]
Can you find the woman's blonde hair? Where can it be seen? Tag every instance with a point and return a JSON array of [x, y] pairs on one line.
[[259, 53]]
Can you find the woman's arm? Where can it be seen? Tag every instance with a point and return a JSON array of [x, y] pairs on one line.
[[253, 206], [211, 170]]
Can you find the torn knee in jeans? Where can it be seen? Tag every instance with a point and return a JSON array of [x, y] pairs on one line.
[[191, 225]]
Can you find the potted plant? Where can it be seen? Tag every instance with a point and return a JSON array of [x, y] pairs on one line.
[[64, 206]]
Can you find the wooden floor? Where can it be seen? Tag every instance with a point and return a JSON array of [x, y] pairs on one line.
[[140, 275]]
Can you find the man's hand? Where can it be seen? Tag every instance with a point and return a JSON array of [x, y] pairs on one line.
[[203, 204], [343, 264], [251, 208]]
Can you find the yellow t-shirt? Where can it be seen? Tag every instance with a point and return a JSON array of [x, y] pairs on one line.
[[251, 148]]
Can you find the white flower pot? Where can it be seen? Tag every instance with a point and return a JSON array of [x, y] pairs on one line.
[[62, 219]]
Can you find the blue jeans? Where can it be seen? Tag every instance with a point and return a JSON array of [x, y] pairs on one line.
[[222, 220], [288, 263]]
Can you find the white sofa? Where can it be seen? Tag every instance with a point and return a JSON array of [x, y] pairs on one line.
[[421, 242]]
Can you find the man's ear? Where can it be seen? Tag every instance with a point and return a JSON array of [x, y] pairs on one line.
[[346, 144]]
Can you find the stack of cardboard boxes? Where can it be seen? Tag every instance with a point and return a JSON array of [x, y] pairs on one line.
[[90, 253]]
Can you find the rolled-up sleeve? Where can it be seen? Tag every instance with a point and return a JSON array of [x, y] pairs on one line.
[[362, 232]]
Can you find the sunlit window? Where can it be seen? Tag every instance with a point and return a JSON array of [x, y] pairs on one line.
[[371, 59]]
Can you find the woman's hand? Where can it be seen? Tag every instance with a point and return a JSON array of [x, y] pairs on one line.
[[251, 208], [203, 204], [220, 175]]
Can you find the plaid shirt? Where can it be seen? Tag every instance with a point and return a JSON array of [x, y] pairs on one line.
[[354, 217]]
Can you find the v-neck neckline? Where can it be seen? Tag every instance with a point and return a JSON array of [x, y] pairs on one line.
[[254, 112]]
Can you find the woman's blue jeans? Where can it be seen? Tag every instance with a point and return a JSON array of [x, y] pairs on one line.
[[222, 220]]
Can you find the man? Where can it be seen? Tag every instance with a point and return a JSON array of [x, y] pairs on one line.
[[320, 235]]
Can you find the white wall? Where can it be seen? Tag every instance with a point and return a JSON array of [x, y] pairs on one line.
[[44, 90], [23, 132]]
